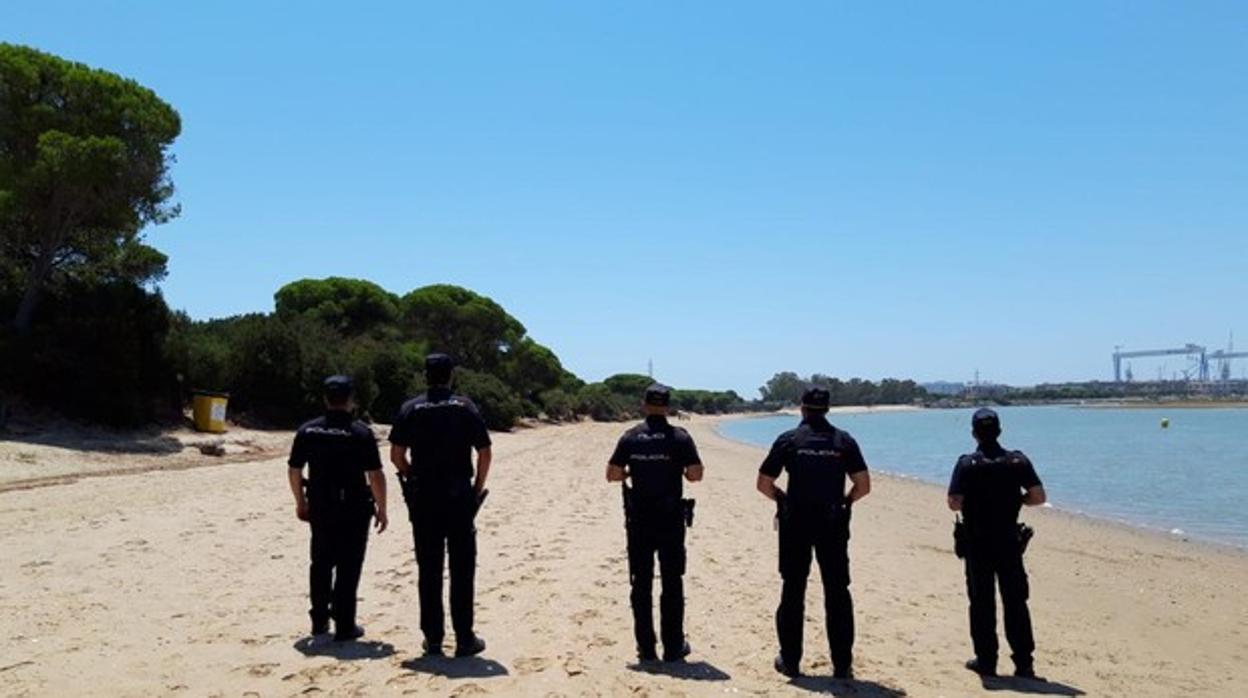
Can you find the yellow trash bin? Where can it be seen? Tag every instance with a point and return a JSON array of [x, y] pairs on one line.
[[208, 411]]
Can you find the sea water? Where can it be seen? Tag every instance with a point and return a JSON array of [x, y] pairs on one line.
[[1189, 479]]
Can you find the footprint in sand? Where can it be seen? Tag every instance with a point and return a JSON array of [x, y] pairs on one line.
[[531, 665], [259, 670], [580, 617], [573, 666], [602, 641]]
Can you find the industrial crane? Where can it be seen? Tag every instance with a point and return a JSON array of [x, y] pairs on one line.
[[1224, 361], [1192, 350]]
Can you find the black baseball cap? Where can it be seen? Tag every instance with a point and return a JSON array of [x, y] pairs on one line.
[[439, 362], [985, 421], [816, 398], [658, 395], [338, 387], [985, 417]]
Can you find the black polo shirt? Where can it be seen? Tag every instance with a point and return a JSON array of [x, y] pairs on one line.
[[337, 450], [818, 457], [991, 482], [441, 429], [656, 454]]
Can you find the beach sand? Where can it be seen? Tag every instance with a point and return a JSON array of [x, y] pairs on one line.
[[193, 582]]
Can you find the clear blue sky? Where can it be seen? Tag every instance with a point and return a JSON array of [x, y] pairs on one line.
[[731, 189]]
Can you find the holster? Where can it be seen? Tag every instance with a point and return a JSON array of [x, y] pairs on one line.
[[960, 541], [688, 505], [1025, 534], [407, 485], [627, 495]]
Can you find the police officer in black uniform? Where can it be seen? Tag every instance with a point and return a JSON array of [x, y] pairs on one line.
[[654, 456], [440, 430], [344, 490], [989, 487], [814, 514]]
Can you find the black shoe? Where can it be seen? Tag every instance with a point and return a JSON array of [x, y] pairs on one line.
[[679, 655], [783, 667], [432, 649], [845, 674], [1026, 672], [354, 632], [647, 654], [471, 648], [983, 669]]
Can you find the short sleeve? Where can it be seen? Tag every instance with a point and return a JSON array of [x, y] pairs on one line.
[[957, 487], [372, 456], [620, 455], [689, 452], [1027, 477], [777, 458], [298, 451], [401, 430], [854, 462], [480, 434]]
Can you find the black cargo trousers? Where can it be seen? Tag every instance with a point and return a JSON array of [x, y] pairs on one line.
[[339, 540], [826, 533], [659, 531], [444, 528], [989, 563]]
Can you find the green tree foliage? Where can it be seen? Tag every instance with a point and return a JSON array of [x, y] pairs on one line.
[[395, 372], [787, 388], [530, 368], [708, 401], [603, 405], [83, 169], [499, 405], [99, 354], [466, 325], [350, 306], [559, 404], [630, 386], [783, 388], [273, 364]]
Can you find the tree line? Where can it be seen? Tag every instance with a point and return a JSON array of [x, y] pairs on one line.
[[786, 388]]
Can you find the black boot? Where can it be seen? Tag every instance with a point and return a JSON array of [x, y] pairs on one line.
[[784, 668], [982, 668], [469, 648], [348, 634], [677, 654]]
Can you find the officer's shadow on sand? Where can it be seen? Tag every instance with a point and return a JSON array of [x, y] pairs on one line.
[[827, 685], [346, 651], [1038, 687], [689, 671], [456, 667]]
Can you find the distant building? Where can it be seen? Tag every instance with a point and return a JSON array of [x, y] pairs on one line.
[[944, 388]]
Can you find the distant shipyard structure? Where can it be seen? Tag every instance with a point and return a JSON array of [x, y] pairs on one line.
[[1203, 365]]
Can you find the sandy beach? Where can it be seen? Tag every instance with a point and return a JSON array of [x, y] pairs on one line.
[[192, 581]]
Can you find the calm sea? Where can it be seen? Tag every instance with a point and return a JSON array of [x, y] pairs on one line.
[[1190, 478]]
